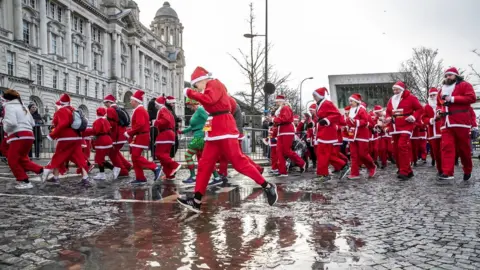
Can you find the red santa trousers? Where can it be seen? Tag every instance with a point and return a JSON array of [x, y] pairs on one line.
[[100, 155], [19, 161], [373, 148], [125, 165], [338, 152], [419, 148], [456, 138], [140, 163], [162, 152], [402, 152], [68, 151], [223, 163], [87, 149], [326, 154], [436, 152], [384, 149], [284, 149], [359, 155], [274, 157], [225, 148]]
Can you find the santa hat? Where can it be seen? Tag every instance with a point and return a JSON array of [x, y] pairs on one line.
[[58, 103], [109, 98], [101, 111], [200, 74], [161, 101], [433, 90], [320, 92], [313, 107], [280, 98], [356, 97], [452, 71], [296, 117], [138, 96], [347, 108], [399, 85], [377, 108], [64, 99], [171, 100]]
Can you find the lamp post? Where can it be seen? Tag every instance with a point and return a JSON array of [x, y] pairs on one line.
[[301, 84]]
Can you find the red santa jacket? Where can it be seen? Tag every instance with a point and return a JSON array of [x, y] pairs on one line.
[[357, 123], [101, 130], [165, 124], [433, 126], [408, 105], [420, 131], [272, 135], [371, 126], [327, 134], [216, 102], [284, 121], [62, 121], [139, 133], [117, 132], [457, 111]]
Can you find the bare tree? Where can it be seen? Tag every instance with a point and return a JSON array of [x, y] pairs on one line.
[[475, 73], [252, 66], [422, 72]]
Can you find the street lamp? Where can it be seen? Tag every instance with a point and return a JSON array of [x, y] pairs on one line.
[[301, 84]]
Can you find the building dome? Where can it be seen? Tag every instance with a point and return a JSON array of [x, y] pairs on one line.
[[166, 11]]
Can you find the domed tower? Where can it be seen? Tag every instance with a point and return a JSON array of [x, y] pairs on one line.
[[167, 26]]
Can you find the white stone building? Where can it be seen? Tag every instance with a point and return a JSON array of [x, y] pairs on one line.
[[89, 48]]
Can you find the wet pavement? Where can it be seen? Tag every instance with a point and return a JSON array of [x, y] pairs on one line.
[[364, 224]]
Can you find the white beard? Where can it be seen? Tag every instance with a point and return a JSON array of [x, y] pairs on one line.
[[353, 112], [447, 89], [396, 100], [432, 103], [277, 112]]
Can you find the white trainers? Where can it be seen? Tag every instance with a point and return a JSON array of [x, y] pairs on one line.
[[24, 185], [46, 173], [99, 176], [116, 172]]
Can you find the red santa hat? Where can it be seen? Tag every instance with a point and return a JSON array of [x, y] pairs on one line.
[[313, 107], [109, 98], [101, 111], [138, 96], [452, 71], [399, 85], [280, 98], [161, 101], [320, 92], [64, 99], [377, 108], [296, 117], [356, 97], [200, 74], [433, 90], [58, 103], [171, 100]]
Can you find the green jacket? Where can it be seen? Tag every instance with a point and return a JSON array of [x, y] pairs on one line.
[[197, 122]]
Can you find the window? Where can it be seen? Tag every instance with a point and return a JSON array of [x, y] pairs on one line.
[[29, 3], [147, 82], [65, 81], [76, 48], [81, 26], [103, 90], [85, 88], [155, 83], [75, 23], [97, 85], [97, 61], [54, 43], [77, 86], [53, 8], [162, 34], [39, 74], [11, 63], [123, 70], [59, 14], [170, 40], [26, 32], [55, 79]]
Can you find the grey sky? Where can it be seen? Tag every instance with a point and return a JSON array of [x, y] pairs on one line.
[[320, 38]]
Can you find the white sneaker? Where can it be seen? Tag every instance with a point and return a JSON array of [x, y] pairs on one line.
[[116, 172], [24, 185], [99, 176], [46, 173]]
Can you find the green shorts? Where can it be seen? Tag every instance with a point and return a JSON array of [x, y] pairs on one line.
[[197, 144]]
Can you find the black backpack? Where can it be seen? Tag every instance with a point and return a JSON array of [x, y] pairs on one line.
[[79, 122], [123, 117]]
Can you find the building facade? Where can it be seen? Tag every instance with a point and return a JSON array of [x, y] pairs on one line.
[[89, 48], [375, 88]]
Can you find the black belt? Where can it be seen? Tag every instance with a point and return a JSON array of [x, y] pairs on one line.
[[162, 130], [398, 115], [219, 113], [102, 134], [444, 114]]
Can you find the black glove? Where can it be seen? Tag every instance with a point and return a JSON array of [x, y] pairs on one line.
[[310, 125], [323, 122], [270, 124]]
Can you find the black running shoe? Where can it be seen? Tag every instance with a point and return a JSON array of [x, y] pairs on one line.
[[190, 204], [467, 177], [410, 175], [271, 193], [403, 177]]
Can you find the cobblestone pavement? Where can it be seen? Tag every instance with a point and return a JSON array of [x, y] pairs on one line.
[[365, 224]]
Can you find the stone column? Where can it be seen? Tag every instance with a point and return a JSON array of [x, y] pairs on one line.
[[43, 26], [88, 46], [117, 61], [152, 74], [106, 54], [134, 64], [142, 71], [68, 36], [17, 20]]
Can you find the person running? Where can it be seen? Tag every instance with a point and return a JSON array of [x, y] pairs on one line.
[[221, 139], [434, 132], [18, 123]]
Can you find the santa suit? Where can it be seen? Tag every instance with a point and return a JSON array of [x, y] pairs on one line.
[[327, 137], [139, 140], [457, 123], [118, 138], [103, 142], [69, 141], [338, 145], [359, 137], [434, 134], [221, 136], [373, 141], [419, 141], [399, 108], [384, 142], [165, 124], [272, 135], [286, 134]]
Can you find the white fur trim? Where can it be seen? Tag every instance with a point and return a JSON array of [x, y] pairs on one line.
[[136, 99], [451, 73], [360, 140], [435, 137], [139, 146], [279, 99], [64, 103], [171, 101], [126, 134], [357, 122], [358, 101], [103, 147], [327, 142], [69, 139], [286, 133], [106, 100], [375, 111], [401, 132], [201, 78], [120, 142], [452, 99], [432, 121], [49, 138], [317, 94], [328, 122], [164, 142], [221, 137], [185, 90], [398, 87], [21, 138], [159, 104]]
